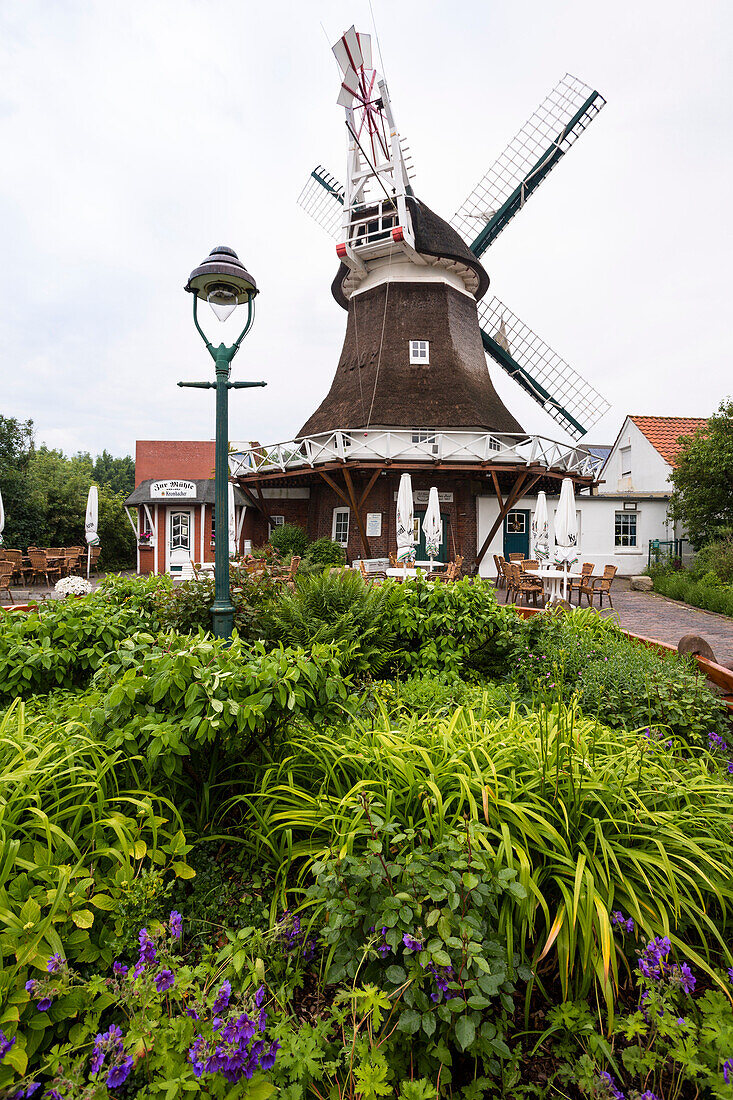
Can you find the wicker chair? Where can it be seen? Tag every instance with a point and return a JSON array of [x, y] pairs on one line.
[[500, 581], [19, 570], [530, 564], [94, 562], [6, 574], [600, 586], [508, 574], [392, 559], [516, 557], [72, 559], [526, 585], [371, 575], [41, 567], [577, 583]]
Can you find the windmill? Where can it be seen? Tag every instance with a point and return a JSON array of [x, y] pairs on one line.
[[388, 239]]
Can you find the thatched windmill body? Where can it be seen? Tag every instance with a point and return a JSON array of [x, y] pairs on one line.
[[412, 389]]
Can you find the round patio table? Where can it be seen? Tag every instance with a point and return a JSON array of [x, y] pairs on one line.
[[555, 577], [409, 573]]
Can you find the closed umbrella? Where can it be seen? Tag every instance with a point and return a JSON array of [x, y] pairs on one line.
[[405, 520], [91, 522], [232, 523], [431, 525], [2, 519], [540, 530], [566, 530]]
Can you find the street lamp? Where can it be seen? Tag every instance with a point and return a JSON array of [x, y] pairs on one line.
[[223, 281]]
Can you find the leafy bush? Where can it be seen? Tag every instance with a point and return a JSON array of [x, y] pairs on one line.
[[592, 819], [418, 919], [325, 552], [187, 606], [62, 642], [289, 539], [338, 608], [717, 558], [616, 678], [452, 627], [706, 591], [440, 694]]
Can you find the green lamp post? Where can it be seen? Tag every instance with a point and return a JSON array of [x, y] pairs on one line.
[[223, 281]]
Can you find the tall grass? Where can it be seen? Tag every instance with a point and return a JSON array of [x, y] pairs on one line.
[[592, 820]]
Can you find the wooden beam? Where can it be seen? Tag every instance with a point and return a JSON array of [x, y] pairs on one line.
[[370, 486], [262, 506], [337, 490], [357, 513], [497, 490], [520, 489]]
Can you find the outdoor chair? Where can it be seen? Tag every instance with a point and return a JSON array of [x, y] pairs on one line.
[[392, 559], [93, 565], [500, 578], [371, 575], [508, 574], [585, 571], [41, 567], [6, 574], [529, 564], [516, 557], [600, 586], [16, 557], [526, 585], [437, 575]]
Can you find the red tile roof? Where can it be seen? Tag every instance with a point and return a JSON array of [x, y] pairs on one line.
[[664, 431]]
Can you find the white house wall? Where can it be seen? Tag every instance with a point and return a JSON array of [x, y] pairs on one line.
[[597, 531], [649, 471]]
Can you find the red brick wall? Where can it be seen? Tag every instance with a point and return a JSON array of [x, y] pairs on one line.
[[173, 458]]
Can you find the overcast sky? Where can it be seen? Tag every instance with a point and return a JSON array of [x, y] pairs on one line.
[[134, 137]]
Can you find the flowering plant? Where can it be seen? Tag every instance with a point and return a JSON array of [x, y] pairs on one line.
[[145, 537], [72, 586], [170, 1026]]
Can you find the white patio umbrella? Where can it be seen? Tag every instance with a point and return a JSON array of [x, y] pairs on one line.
[[91, 522], [566, 530], [232, 522], [2, 519], [405, 520], [540, 530], [431, 525]]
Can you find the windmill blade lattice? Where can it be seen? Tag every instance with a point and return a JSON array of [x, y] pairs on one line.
[[527, 160], [563, 393], [323, 199]]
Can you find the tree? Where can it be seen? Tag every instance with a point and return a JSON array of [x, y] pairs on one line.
[[703, 479], [117, 474], [24, 519]]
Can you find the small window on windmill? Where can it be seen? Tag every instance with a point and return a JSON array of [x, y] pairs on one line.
[[420, 352], [625, 454]]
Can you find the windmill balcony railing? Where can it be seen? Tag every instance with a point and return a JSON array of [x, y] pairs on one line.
[[414, 445]]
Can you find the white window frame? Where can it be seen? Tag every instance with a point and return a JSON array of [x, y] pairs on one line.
[[338, 513], [622, 534], [423, 435], [420, 353], [275, 521], [625, 456]]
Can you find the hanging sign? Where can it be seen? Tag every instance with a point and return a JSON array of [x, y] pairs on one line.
[[420, 496], [374, 524], [178, 490]]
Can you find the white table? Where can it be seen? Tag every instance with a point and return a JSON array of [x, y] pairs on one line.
[[555, 577], [407, 574]]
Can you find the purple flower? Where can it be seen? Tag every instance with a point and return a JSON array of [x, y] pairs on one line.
[[176, 924], [192, 1013], [715, 741], [222, 998], [148, 953], [30, 986], [607, 1081], [684, 976], [55, 964], [730, 974], [728, 1070], [118, 1074], [108, 1042], [267, 1060], [33, 1088], [411, 943], [119, 969], [44, 1004], [652, 960], [5, 1044], [618, 920], [648, 1095], [164, 980], [384, 948], [54, 1094]]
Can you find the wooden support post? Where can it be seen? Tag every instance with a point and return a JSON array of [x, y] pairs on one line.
[[370, 486], [497, 490], [357, 513], [337, 490], [520, 489], [262, 506]]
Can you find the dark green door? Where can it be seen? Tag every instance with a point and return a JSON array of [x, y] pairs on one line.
[[516, 533], [421, 553]]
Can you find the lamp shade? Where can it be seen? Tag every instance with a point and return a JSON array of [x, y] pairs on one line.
[[222, 271]]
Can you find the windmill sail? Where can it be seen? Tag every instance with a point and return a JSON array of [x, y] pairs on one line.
[[527, 160], [323, 199], [571, 401]]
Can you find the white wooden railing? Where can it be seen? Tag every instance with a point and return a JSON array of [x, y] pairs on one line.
[[414, 445]]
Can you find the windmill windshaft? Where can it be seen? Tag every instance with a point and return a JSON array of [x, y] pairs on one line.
[[563, 393], [323, 199], [528, 159]]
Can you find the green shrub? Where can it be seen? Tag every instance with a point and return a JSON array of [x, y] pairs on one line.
[[62, 642], [716, 557], [705, 592], [338, 608], [187, 606], [289, 539], [616, 678], [592, 819], [325, 552], [452, 627], [440, 694]]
